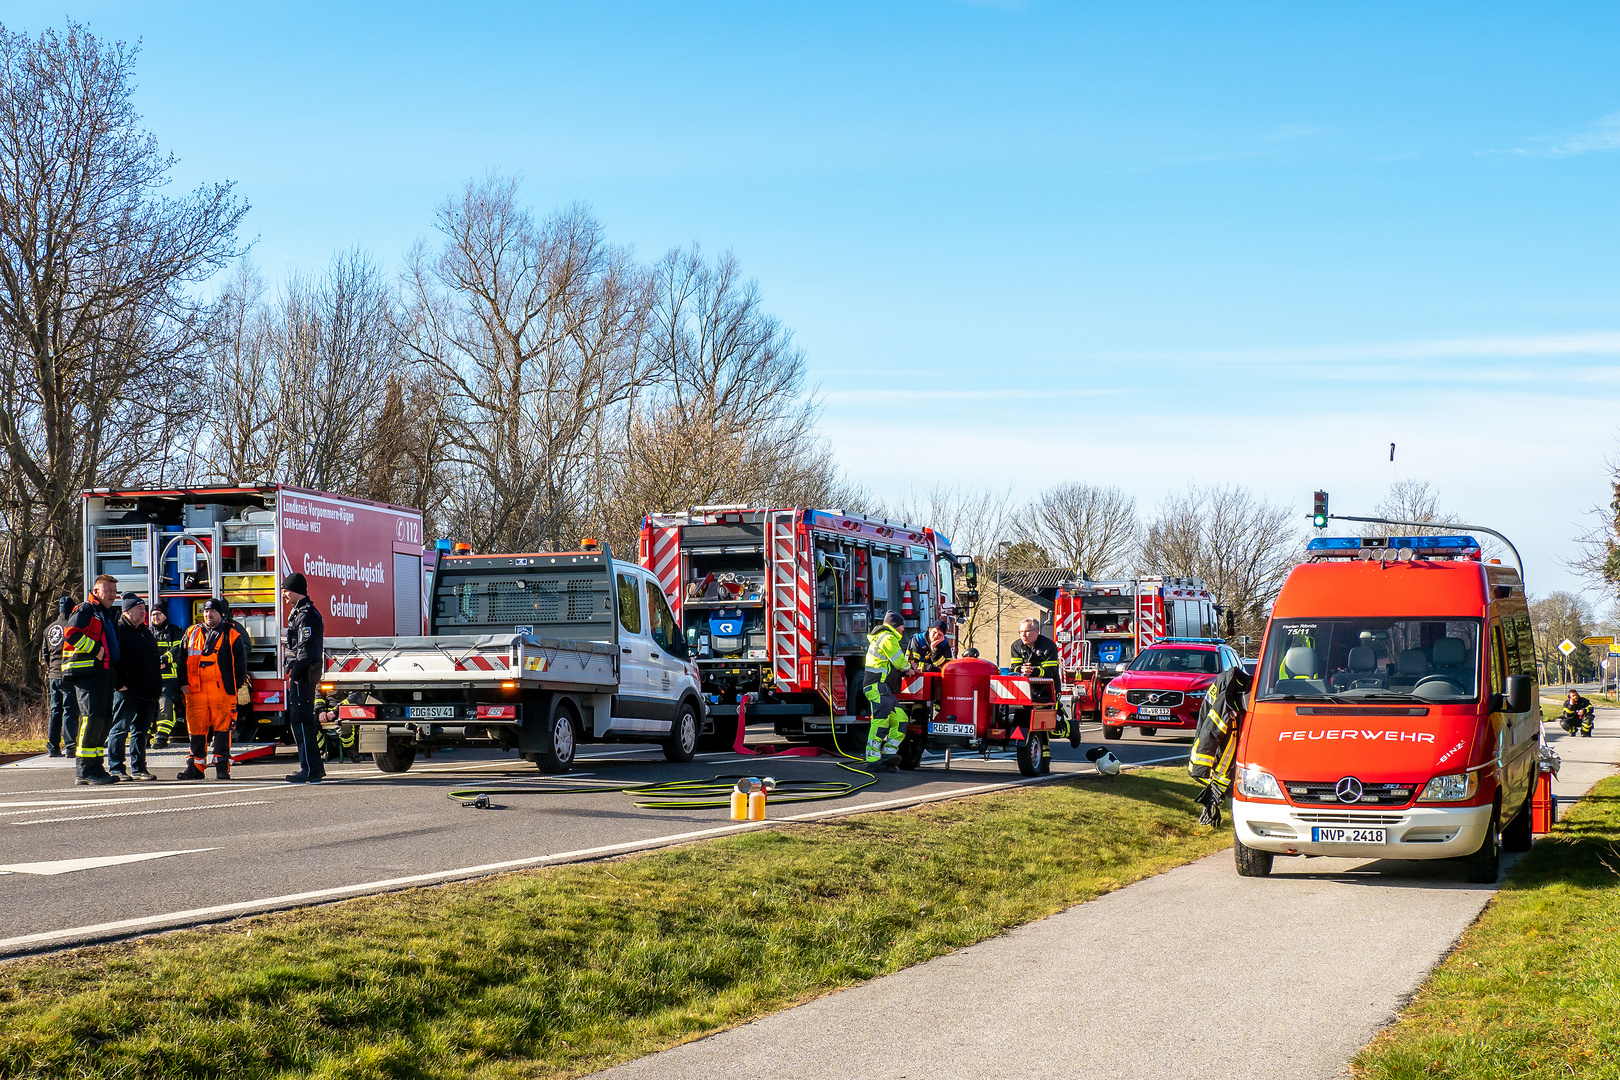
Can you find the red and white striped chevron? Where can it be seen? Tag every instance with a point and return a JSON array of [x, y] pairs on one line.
[[1010, 690], [481, 663], [786, 582], [353, 663], [1149, 620], [665, 563]]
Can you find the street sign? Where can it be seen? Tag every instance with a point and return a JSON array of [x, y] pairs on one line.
[[1597, 641], [1614, 650], [1566, 646]]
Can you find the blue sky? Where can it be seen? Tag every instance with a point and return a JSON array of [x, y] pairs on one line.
[[1176, 243]]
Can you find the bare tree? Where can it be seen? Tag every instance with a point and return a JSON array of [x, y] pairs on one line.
[[725, 415], [535, 330], [98, 320], [1241, 546], [1411, 500], [1092, 529], [1555, 618], [1599, 558]]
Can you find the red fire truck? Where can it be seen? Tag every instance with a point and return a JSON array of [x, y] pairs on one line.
[[178, 547], [1100, 626], [777, 603]]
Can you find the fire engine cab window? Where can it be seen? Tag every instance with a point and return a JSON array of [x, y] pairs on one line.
[[1377, 659], [629, 604], [1194, 661]]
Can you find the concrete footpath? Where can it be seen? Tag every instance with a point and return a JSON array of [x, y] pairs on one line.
[[1293, 974]]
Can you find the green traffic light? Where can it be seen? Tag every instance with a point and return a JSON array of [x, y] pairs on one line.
[[1320, 521]]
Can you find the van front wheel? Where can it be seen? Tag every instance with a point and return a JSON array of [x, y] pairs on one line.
[[1250, 862], [1516, 834], [1484, 866]]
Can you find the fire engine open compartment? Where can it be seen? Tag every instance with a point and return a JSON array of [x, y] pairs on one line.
[[776, 604], [176, 547]]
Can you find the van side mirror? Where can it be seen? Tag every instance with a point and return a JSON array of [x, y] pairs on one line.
[[1517, 693], [970, 574]]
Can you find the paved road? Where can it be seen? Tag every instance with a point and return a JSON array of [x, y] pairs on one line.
[[1292, 974], [86, 864]]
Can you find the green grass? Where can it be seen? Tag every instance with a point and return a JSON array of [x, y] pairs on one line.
[[22, 746], [560, 972], [1533, 988]]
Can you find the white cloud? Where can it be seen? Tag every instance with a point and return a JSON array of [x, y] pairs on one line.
[[1602, 135], [1598, 343]]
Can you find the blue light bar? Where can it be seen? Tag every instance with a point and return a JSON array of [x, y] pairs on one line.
[[1441, 545], [1188, 641], [441, 544]]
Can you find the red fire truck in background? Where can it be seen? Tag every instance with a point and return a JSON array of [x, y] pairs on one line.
[[777, 603], [1100, 626], [363, 562]]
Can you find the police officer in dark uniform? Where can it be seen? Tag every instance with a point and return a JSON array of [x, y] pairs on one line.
[[306, 651]]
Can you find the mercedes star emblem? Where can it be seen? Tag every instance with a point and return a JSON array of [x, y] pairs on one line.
[[1348, 790]]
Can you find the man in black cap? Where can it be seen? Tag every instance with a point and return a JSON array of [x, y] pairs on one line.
[[171, 643], [306, 659], [64, 719], [216, 676], [930, 651], [135, 698]]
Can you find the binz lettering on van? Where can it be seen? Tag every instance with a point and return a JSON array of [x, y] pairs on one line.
[[1346, 733], [1453, 750]]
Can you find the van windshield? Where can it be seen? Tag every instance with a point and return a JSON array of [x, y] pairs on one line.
[[1373, 658]]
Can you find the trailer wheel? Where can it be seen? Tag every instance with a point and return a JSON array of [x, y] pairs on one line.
[[397, 758], [557, 751], [1484, 866], [1029, 755], [911, 752], [1250, 862], [1111, 733], [1148, 731], [683, 736]]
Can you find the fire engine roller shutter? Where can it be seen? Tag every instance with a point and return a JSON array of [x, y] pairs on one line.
[[407, 595]]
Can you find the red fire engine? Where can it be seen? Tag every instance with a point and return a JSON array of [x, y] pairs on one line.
[[777, 603], [1100, 626]]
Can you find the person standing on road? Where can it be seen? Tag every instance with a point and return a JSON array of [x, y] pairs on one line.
[[64, 716], [1035, 656], [135, 700], [1215, 746], [306, 659], [89, 661], [885, 661], [216, 669], [171, 643]]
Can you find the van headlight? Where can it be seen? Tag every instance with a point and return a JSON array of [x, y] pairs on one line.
[[1453, 787], [1257, 784]]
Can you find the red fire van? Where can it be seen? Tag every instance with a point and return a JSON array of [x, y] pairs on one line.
[[1393, 714]]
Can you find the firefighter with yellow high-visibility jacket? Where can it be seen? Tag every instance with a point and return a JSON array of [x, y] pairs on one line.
[[338, 740], [1220, 717], [885, 662]]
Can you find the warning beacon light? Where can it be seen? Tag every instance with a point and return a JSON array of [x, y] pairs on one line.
[[1392, 548], [1319, 514]]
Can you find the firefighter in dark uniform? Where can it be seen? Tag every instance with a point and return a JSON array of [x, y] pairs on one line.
[[89, 664], [64, 718], [171, 642], [306, 645], [1220, 717], [931, 650], [1577, 716], [338, 740], [1034, 655]]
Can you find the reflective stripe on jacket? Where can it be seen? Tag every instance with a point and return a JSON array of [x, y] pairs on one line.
[[89, 642], [883, 652], [216, 663]]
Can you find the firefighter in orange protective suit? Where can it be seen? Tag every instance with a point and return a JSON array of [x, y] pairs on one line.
[[216, 678]]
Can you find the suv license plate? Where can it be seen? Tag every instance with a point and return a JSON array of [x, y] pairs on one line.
[[431, 712], [1153, 710], [952, 729], [1319, 835]]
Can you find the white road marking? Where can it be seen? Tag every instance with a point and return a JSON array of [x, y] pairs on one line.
[[299, 899], [45, 807], [140, 813], [69, 866]]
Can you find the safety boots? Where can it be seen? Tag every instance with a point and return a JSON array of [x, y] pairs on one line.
[[193, 771], [222, 770]]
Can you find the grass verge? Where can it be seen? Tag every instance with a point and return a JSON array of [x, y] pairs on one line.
[[560, 972], [1533, 988], [22, 726]]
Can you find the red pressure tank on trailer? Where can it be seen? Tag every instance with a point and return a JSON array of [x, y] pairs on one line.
[[966, 697]]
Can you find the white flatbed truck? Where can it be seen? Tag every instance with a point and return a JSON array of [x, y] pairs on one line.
[[532, 652]]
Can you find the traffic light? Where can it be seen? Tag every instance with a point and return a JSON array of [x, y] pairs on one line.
[[1319, 514]]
